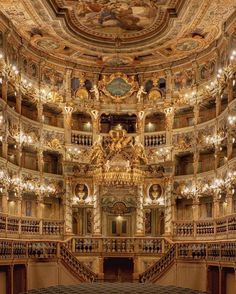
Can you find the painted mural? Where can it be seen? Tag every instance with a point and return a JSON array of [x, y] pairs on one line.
[[114, 16]]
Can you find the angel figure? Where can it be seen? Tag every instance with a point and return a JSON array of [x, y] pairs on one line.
[[96, 92], [140, 92]]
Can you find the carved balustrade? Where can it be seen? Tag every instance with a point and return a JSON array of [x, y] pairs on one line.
[[106, 245], [197, 251], [81, 138], [217, 251], [152, 140], [205, 228], [159, 267], [30, 226], [75, 266]]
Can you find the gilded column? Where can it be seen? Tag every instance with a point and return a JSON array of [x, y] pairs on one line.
[[140, 212], [195, 208], [218, 105], [169, 207], [140, 126], [4, 89], [5, 201], [18, 101], [216, 207], [40, 111], [169, 112], [68, 84], [67, 114], [229, 201], [95, 124], [97, 211], [68, 207]]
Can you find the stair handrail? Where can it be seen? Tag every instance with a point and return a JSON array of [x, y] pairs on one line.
[[77, 268], [158, 268]]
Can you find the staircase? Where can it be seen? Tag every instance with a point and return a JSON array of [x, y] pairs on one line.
[[154, 272], [77, 268]]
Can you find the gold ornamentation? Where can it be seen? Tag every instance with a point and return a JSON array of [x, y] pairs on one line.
[[118, 86], [54, 144]]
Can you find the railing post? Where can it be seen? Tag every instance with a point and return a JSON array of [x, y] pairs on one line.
[[194, 229], [163, 246], [58, 250], [214, 227], [101, 248], [137, 247], [176, 250], [206, 251], [40, 227], [12, 253], [19, 227], [6, 224], [227, 226], [73, 245]]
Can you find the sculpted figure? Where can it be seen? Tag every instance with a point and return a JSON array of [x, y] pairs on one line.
[[96, 92], [139, 152], [140, 92], [97, 153]]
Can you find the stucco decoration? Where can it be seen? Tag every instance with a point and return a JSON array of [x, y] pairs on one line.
[[118, 86]]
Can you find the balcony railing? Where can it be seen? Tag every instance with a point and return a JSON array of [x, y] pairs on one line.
[[81, 138], [153, 140], [30, 226], [118, 245], [10, 250], [205, 228], [224, 251]]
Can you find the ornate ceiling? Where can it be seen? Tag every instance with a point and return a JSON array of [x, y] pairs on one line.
[[119, 33]]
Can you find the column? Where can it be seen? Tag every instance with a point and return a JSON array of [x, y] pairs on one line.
[[95, 124], [229, 144], [230, 90], [196, 113], [195, 161], [5, 146], [195, 208], [229, 201], [5, 201], [39, 205], [4, 89], [139, 212], [216, 207], [40, 161], [169, 112], [97, 212], [168, 76], [140, 125], [67, 201], [67, 114], [218, 105], [19, 204], [40, 111], [18, 154], [137, 270], [68, 84], [18, 101], [169, 207]]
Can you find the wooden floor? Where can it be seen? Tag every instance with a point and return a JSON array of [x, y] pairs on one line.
[[116, 288]]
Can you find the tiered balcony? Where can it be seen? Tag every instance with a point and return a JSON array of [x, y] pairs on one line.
[[205, 229], [16, 226]]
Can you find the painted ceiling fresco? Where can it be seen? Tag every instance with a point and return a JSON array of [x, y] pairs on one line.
[[119, 33], [116, 17]]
